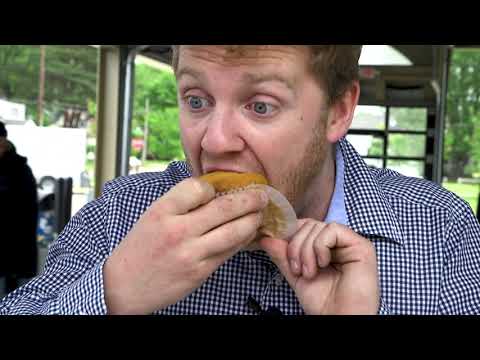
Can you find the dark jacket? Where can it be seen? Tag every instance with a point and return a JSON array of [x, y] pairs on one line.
[[18, 216]]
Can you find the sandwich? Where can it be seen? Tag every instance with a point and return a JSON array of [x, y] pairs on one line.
[[279, 217]]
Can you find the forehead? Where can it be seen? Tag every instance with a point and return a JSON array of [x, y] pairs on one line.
[[284, 56]]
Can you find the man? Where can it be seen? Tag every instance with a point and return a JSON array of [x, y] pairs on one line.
[[368, 241], [18, 216]]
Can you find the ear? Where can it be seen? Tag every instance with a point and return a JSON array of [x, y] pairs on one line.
[[341, 113]]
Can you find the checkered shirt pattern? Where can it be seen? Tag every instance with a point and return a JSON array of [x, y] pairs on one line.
[[426, 238]]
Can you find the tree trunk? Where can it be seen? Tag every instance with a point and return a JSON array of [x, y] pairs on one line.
[[41, 85], [145, 131]]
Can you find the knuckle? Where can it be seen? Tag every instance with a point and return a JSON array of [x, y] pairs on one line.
[[334, 227], [198, 187], [293, 251], [365, 251], [362, 253], [305, 255], [225, 204], [189, 268], [185, 260], [155, 213], [318, 246], [174, 232]]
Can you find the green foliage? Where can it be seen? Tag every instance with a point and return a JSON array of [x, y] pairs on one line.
[[164, 137], [462, 139], [376, 149], [406, 145], [468, 192], [402, 118], [407, 119], [156, 99], [403, 145], [70, 77]]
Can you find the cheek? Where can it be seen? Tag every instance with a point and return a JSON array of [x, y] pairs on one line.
[[287, 155], [191, 138], [281, 152]]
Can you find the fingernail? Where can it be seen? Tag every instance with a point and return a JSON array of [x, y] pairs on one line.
[[319, 261], [260, 218], [294, 266]]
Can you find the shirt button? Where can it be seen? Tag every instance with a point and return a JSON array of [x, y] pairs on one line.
[[278, 280]]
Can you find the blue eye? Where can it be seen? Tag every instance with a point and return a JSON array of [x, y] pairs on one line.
[[262, 108], [196, 102]]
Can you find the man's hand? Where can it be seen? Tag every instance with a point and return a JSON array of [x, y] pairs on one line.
[[177, 244], [332, 269]]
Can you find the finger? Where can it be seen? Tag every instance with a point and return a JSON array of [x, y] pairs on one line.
[[184, 197], [308, 256], [354, 254], [277, 250], [342, 236], [214, 262], [338, 244], [225, 209], [295, 246], [234, 234]]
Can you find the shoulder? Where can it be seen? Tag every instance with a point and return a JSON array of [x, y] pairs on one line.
[[163, 181], [418, 191], [124, 199]]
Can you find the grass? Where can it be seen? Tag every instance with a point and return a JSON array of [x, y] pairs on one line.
[[468, 192]]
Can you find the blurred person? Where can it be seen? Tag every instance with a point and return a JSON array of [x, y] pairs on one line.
[[18, 216]]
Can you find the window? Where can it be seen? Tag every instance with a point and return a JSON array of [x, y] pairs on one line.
[[392, 137]]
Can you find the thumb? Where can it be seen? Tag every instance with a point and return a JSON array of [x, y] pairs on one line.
[[277, 250]]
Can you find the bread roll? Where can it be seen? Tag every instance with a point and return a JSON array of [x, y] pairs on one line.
[[279, 218]]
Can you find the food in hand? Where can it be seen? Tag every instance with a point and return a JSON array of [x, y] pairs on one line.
[[279, 218]]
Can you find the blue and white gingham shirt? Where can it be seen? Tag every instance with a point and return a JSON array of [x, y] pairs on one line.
[[427, 242]]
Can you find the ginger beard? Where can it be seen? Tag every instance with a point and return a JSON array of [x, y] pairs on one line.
[[298, 180]]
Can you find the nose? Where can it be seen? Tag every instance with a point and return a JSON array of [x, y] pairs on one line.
[[222, 134]]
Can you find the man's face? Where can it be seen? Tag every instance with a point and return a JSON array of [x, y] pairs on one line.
[[259, 112]]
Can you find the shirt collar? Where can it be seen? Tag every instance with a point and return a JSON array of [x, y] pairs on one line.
[[337, 212], [368, 210]]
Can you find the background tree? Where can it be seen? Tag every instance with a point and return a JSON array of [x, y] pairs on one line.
[[461, 155], [158, 89], [70, 78]]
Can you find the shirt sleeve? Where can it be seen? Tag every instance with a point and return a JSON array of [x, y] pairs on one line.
[[72, 283], [460, 289]]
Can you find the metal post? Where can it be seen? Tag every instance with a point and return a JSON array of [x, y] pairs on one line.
[[127, 76], [441, 110]]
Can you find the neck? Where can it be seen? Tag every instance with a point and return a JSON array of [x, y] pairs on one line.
[[319, 193]]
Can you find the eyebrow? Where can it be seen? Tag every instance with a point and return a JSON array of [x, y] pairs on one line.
[[261, 78], [188, 71], [248, 77]]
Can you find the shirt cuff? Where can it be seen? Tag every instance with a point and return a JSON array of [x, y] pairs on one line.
[[86, 295]]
